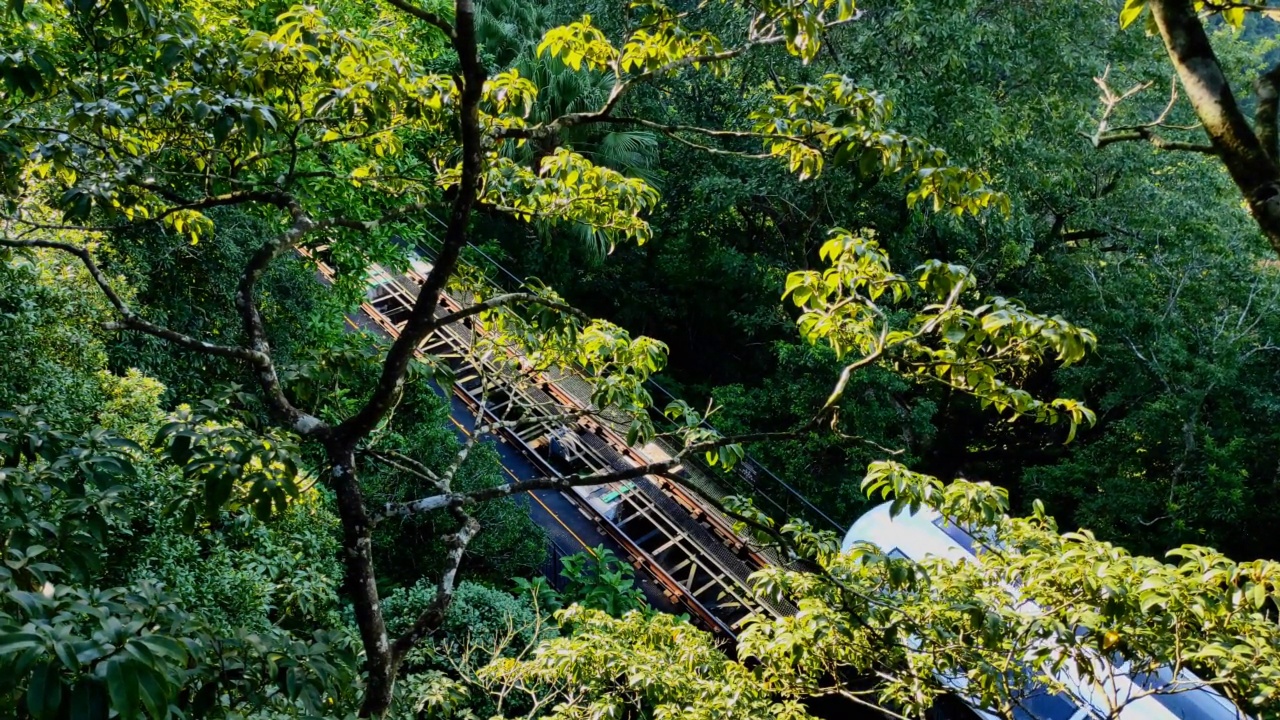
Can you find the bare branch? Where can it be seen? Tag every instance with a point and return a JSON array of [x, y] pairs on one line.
[[561, 482], [847, 372], [1106, 135], [407, 465], [33, 225], [549, 482], [255, 331], [433, 617]]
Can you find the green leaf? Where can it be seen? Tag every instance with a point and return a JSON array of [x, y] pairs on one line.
[[88, 701], [16, 642], [1132, 9], [65, 651], [222, 128], [164, 646], [122, 686], [44, 691], [119, 14], [205, 700], [152, 686], [262, 508]]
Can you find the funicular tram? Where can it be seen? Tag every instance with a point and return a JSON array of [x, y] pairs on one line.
[[1122, 695], [699, 566]]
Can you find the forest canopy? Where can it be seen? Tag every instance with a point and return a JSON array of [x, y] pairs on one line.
[[295, 301]]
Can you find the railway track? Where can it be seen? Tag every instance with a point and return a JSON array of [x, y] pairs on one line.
[[689, 549]]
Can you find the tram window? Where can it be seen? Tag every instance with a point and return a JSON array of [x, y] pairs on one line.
[[957, 533], [1186, 699], [1040, 704]]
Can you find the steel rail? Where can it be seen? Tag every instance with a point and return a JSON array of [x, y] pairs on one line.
[[712, 585]]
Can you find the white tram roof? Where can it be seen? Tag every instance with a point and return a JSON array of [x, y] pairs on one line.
[[913, 535], [926, 533]]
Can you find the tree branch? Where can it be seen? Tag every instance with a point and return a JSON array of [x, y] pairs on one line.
[[1106, 135], [1156, 140], [130, 321], [419, 325], [560, 482], [503, 300], [621, 87], [406, 465], [426, 16], [301, 422], [382, 660], [268, 197], [549, 482], [433, 617], [1254, 171], [257, 355], [1267, 89]]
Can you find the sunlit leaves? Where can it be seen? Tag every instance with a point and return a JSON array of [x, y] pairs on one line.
[[191, 223], [1232, 13], [839, 304], [578, 43], [978, 350], [530, 338], [507, 91], [618, 364], [568, 189], [233, 467], [803, 23], [837, 121], [810, 120], [973, 504], [1132, 9], [236, 101], [662, 43], [1033, 602], [655, 661], [600, 580]]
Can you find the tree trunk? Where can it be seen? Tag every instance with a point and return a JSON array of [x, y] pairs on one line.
[[1245, 156], [362, 586]]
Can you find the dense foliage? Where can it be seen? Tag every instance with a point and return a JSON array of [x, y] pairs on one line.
[[1143, 247], [224, 495]]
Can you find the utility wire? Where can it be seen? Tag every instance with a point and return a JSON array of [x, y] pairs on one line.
[[756, 467]]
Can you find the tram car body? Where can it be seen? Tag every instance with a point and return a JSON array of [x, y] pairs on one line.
[[927, 533]]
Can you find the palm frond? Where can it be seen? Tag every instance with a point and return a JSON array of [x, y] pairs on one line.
[[630, 152]]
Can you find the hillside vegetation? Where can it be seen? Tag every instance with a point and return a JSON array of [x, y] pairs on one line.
[[1016, 262]]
